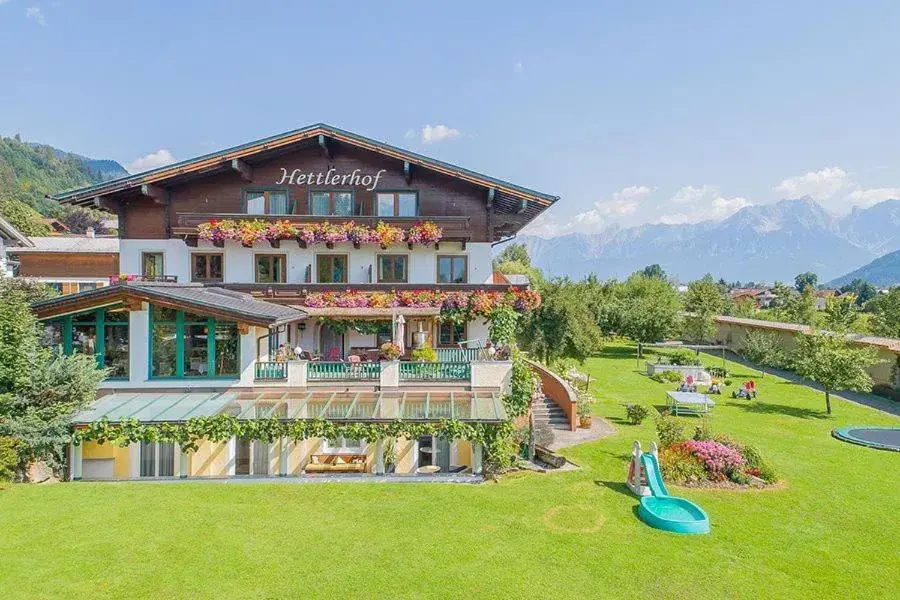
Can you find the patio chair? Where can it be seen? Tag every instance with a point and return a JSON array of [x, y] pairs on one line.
[[354, 359], [334, 355]]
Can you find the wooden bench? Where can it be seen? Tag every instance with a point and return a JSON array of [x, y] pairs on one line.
[[336, 463]]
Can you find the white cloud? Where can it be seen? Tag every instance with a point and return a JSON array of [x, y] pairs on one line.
[[702, 203], [410, 134], [35, 12], [438, 133], [870, 197], [546, 227], [518, 67], [160, 158], [819, 185], [622, 203]]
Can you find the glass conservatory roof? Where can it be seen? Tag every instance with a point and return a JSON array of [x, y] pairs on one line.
[[331, 406]]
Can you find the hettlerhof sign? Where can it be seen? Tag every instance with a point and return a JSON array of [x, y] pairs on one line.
[[330, 178]]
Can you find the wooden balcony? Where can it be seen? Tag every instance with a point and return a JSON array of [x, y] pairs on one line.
[[456, 228]]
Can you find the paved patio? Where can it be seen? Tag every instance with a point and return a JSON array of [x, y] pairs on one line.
[[600, 428]]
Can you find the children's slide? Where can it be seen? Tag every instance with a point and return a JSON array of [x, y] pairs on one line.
[[662, 511]]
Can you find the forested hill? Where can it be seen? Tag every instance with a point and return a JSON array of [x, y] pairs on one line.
[[30, 171]]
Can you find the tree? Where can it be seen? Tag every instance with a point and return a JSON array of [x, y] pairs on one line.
[[563, 326], [864, 291], [832, 362], [24, 218], [703, 303], [515, 253], [654, 271], [744, 307], [840, 312], [886, 313], [40, 391], [651, 309], [79, 220], [801, 308], [805, 280]]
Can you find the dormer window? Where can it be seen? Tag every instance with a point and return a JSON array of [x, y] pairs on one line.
[[398, 204], [267, 202]]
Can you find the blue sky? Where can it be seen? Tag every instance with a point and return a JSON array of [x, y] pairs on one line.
[[633, 112]]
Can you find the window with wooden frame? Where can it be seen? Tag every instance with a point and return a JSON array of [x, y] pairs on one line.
[[207, 266], [152, 264], [267, 201], [393, 268], [331, 268], [397, 204], [332, 203], [452, 269], [451, 334], [270, 268]]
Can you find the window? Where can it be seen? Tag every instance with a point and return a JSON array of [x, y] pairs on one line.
[[267, 202], [54, 285], [102, 332], [157, 459], [342, 445], [384, 334], [270, 268], [392, 268], [206, 267], [398, 204], [452, 269], [184, 344], [331, 204], [331, 268], [450, 334], [152, 264], [83, 287]]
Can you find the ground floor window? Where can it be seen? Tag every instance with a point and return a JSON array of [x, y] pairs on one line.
[[251, 457], [102, 332], [184, 344], [342, 445], [157, 459]]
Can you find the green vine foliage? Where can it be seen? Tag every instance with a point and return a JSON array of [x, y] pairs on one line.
[[522, 386], [361, 326], [220, 428], [503, 322]]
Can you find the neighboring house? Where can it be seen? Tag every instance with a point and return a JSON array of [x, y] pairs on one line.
[[68, 263], [243, 258], [763, 297], [732, 330], [10, 236]]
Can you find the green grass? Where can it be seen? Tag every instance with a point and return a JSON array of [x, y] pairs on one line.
[[830, 530]]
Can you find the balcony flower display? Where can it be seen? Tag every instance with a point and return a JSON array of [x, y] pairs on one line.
[[217, 231], [251, 232], [280, 230], [424, 232], [358, 234], [390, 351], [385, 235], [122, 278], [331, 234]]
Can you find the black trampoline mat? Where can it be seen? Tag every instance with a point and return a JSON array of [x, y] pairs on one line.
[[886, 437]]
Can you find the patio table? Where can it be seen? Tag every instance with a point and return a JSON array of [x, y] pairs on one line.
[[690, 403]]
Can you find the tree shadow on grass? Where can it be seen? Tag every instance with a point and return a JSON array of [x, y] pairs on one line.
[[617, 352], [615, 486], [765, 408]]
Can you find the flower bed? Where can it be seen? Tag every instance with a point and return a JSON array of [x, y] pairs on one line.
[[707, 459], [460, 306], [249, 232]]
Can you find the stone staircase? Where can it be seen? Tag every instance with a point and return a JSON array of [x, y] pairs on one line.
[[547, 411]]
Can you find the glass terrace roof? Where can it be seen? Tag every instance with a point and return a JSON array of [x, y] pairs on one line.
[[351, 407]]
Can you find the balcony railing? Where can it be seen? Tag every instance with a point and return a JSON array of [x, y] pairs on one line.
[[271, 371], [343, 371], [435, 371], [460, 354], [455, 227]]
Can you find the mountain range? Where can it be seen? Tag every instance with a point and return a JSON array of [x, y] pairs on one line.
[[883, 272], [771, 242]]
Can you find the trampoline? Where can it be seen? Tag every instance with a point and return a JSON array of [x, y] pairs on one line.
[[883, 438]]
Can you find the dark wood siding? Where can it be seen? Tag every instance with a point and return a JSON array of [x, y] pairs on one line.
[[66, 264]]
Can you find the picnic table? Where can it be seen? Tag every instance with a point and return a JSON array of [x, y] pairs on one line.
[[689, 403]]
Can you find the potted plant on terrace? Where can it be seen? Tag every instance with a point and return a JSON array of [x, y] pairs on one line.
[[390, 351], [585, 412]]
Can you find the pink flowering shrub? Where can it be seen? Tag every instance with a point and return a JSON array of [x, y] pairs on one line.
[[719, 459]]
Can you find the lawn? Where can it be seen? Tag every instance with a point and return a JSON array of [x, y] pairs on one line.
[[829, 530]]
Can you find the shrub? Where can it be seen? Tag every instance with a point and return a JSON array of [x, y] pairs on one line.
[[886, 391], [728, 382], [424, 354], [720, 460], [667, 377], [764, 348], [702, 432], [739, 477], [669, 430], [683, 357], [680, 465], [9, 458], [758, 466], [636, 413]]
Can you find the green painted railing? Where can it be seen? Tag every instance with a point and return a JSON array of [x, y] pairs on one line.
[[450, 355], [271, 371], [343, 371], [434, 371]]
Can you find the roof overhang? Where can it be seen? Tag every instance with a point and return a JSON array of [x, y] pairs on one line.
[[221, 304], [223, 159]]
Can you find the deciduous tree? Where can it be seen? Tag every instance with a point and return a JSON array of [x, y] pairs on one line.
[[834, 363]]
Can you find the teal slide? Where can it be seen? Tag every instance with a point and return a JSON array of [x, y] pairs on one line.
[[666, 512]]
